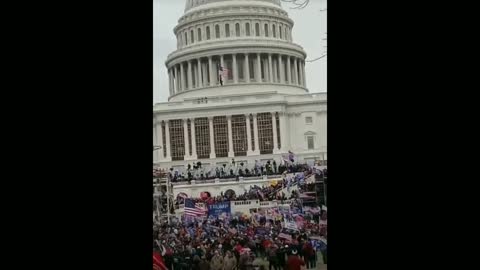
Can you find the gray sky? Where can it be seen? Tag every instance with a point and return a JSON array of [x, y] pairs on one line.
[[309, 31]]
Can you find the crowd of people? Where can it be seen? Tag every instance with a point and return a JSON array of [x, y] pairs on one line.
[[233, 170], [238, 243]]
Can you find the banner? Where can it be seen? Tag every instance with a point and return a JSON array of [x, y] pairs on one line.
[[291, 225], [218, 208]]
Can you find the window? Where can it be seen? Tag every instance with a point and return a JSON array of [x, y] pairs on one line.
[[189, 125], [208, 32], [257, 29], [310, 144], [280, 31], [247, 29], [227, 30], [251, 132], [265, 133], [164, 143], [237, 29], [191, 36], [221, 136], [202, 137], [266, 30], [177, 141], [277, 119], [308, 120], [239, 135], [199, 34], [274, 31], [217, 31]]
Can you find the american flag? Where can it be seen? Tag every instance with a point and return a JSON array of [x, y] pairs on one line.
[[222, 74], [194, 209]]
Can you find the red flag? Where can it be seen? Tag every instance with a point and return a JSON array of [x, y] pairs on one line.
[[158, 263]]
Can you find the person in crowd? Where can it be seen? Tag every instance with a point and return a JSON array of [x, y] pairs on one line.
[[216, 262], [244, 261], [281, 253], [309, 255], [294, 262], [272, 258], [203, 265], [258, 263], [229, 262]]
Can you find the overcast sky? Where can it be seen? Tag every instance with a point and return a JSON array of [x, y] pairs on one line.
[[309, 31]]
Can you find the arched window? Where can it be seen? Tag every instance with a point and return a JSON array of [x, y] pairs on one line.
[[192, 39], [217, 31], [280, 31], [208, 32], [237, 29], [274, 31], [186, 39], [199, 34], [266, 30], [227, 30], [247, 29], [257, 29]]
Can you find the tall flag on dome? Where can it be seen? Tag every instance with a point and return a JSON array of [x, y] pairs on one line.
[[222, 74], [193, 208]]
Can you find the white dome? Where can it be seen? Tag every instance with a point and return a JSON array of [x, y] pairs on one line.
[[196, 3], [250, 39]]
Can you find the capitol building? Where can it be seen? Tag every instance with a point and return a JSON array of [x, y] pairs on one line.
[[261, 110]]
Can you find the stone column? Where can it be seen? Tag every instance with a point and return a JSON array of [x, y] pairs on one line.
[[275, 135], [194, 142], [190, 86], [249, 135], [304, 77], [275, 70], [300, 72], [258, 72], [222, 64], [175, 79], [247, 69], [185, 138], [283, 132], [265, 69], [289, 71], [199, 69], [255, 134], [204, 75], [295, 70], [167, 141], [159, 140], [235, 68], [155, 142], [182, 77], [270, 70], [230, 137], [170, 81], [212, 137], [210, 69], [282, 72]]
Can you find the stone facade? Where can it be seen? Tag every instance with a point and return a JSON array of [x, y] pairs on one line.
[[263, 108]]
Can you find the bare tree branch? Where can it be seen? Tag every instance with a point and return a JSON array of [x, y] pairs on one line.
[[299, 4], [318, 58]]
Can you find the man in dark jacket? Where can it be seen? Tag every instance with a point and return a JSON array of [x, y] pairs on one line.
[[281, 257]]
